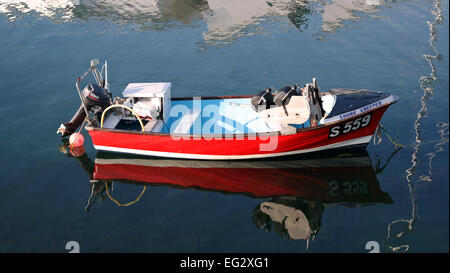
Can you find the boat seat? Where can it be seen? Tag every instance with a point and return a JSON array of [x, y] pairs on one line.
[[263, 100], [283, 96], [297, 111]]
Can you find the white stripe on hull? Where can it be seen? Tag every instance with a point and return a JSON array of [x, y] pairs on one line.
[[356, 141]]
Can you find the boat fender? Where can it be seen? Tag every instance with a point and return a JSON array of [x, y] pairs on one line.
[[76, 140]]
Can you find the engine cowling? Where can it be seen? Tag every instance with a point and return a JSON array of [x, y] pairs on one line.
[[94, 96]]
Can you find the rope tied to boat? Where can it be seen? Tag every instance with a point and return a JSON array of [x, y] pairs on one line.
[[127, 204], [377, 137]]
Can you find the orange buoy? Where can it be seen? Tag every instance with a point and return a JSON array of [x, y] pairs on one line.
[[76, 140]]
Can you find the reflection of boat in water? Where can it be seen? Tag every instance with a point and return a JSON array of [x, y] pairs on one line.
[[329, 180], [296, 190]]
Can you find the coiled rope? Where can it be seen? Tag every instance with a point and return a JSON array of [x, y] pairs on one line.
[[125, 107]]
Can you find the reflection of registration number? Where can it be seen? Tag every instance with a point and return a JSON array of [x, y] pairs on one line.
[[346, 188], [352, 125]]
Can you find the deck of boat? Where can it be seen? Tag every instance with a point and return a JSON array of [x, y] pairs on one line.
[[214, 116]]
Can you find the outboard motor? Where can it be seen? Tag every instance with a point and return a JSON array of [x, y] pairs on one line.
[[262, 98], [96, 99]]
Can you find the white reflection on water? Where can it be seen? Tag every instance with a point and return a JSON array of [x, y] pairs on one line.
[[405, 226], [56, 9], [335, 13], [225, 20], [117, 11], [230, 19]]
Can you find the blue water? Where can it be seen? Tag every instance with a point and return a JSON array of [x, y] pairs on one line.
[[400, 47]]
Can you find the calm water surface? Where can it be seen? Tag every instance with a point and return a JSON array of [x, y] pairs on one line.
[[208, 48]]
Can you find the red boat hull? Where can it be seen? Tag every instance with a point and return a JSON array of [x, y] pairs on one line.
[[339, 134]]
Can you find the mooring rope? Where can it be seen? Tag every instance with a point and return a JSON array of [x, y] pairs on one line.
[[389, 136], [377, 138]]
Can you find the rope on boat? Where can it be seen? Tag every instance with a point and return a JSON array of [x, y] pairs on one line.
[[377, 139], [127, 204], [125, 107], [378, 135]]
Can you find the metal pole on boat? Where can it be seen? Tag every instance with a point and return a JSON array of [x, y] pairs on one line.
[[82, 102], [95, 72], [106, 76], [315, 83], [93, 62]]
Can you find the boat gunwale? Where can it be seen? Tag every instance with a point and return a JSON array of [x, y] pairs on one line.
[[237, 136]]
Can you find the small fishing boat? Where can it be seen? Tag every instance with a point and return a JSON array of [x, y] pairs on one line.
[[293, 120]]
